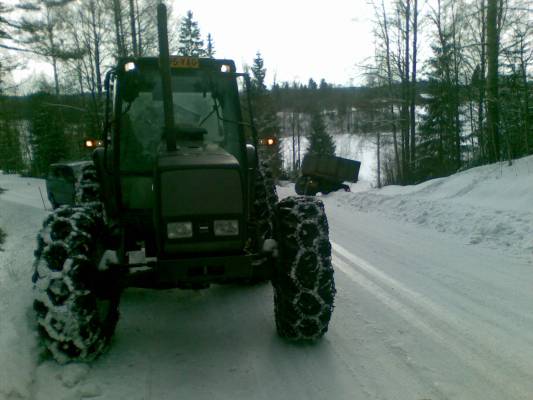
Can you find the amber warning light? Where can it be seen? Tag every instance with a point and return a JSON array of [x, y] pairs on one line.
[[269, 141], [91, 143]]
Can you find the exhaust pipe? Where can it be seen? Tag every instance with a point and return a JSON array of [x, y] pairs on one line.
[[164, 68]]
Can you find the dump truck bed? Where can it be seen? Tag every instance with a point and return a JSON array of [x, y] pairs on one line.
[[332, 168]]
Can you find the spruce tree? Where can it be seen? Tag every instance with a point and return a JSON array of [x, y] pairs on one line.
[[10, 147], [437, 142], [266, 119], [190, 40], [320, 141], [258, 75], [210, 48], [47, 133]]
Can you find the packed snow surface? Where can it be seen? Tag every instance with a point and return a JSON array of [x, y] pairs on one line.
[[490, 205], [435, 301]]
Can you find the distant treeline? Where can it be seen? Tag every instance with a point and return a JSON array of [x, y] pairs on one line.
[[48, 128]]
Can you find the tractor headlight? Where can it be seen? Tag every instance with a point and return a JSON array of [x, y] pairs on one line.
[[130, 66], [226, 227], [179, 230]]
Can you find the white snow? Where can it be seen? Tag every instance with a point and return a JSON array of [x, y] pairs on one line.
[[21, 215], [435, 301], [490, 205]]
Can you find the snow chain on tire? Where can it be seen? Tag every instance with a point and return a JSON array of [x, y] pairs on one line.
[[265, 201], [263, 210], [88, 188], [76, 308], [304, 287]]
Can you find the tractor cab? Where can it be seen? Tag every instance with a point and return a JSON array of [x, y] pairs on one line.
[[177, 163], [205, 108]]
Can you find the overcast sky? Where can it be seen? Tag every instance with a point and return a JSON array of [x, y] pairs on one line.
[[298, 39]]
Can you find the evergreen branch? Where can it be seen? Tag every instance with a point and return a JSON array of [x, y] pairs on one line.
[[7, 47]]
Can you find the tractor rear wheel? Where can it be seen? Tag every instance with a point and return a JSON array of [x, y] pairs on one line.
[[75, 299], [264, 205], [304, 186], [304, 287], [87, 187], [263, 214]]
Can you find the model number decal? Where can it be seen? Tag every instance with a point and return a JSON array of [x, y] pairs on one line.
[[184, 62]]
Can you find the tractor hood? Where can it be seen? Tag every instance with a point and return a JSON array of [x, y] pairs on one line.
[[199, 184], [197, 155]]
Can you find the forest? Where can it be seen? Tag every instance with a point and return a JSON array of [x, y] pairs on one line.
[[449, 86]]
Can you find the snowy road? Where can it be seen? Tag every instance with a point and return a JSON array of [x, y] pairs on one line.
[[443, 319], [419, 315]]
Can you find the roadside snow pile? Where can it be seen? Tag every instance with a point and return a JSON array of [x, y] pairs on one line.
[[21, 215], [490, 205]]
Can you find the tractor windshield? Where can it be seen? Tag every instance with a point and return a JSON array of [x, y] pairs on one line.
[[202, 100]]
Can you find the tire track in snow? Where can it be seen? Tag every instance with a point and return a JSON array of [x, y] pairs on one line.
[[500, 369]]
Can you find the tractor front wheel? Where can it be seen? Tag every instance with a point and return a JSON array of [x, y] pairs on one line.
[[76, 298], [304, 287]]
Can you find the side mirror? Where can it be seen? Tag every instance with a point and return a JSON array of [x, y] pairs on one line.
[[251, 156]]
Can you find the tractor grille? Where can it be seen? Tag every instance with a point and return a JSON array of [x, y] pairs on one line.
[[196, 192]]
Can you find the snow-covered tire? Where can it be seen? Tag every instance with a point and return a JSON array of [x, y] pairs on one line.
[[87, 187], [304, 286], [53, 202], [263, 214], [76, 303], [303, 187], [263, 210]]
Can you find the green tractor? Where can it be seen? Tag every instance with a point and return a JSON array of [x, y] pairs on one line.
[[176, 198]]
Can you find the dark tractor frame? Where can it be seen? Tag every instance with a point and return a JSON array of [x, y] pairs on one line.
[[131, 225], [176, 204]]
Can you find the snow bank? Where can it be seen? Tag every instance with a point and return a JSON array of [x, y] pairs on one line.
[[490, 205], [21, 215]]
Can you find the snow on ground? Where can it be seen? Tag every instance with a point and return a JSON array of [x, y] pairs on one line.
[[490, 205], [21, 215], [434, 301]]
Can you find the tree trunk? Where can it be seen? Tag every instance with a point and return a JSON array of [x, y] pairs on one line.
[[299, 163], [413, 84], [456, 100], [481, 86], [379, 158], [133, 29], [56, 75], [390, 82], [405, 99], [493, 43], [51, 43], [96, 44], [117, 14], [139, 34], [293, 130], [525, 91]]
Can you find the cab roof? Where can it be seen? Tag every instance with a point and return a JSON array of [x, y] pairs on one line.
[[182, 62]]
